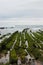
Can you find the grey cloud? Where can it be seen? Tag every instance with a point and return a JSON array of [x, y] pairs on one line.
[[21, 8]]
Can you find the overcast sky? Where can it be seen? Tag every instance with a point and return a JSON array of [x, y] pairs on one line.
[[21, 9]]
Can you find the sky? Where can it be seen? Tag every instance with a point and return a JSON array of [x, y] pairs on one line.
[[25, 12]]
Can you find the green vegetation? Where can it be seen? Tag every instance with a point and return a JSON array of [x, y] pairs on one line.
[[7, 43], [13, 57], [35, 45], [4, 35]]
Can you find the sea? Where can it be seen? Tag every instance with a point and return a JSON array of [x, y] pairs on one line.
[[20, 28]]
